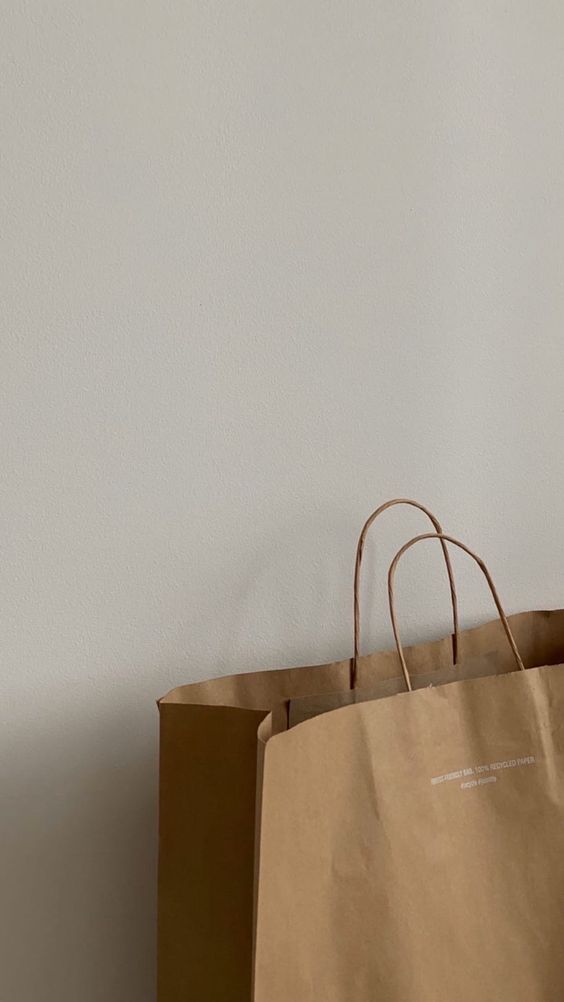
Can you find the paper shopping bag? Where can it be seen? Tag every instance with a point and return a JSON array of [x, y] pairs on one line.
[[208, 789]]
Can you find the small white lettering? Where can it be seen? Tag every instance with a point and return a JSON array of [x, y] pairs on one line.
[[479, 770], [478, 782]]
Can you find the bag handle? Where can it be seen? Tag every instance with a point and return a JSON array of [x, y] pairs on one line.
[[359, 552], [487, 575]]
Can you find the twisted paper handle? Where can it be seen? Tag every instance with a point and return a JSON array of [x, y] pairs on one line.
[[359, 552]]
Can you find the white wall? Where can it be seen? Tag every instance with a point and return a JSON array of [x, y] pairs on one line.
[[266, 265]]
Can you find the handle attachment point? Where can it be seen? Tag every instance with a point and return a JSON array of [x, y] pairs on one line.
[[455, 542]]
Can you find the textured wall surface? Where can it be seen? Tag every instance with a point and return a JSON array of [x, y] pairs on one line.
[[264, 266]]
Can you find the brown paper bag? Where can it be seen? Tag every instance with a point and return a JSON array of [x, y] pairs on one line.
[[208, 752], [412, 847]]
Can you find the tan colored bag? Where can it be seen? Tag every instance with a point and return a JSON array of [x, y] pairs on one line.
[[412, 847], [208, 751]]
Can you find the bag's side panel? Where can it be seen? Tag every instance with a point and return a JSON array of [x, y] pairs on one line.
[[206, 844]]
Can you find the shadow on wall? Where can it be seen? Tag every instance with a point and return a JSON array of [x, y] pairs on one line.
[[78, 834], [78, 830], [292, 600]]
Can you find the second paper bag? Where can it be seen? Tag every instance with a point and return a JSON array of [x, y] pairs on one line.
[[412, 847]]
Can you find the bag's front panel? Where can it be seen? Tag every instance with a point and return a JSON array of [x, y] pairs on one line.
[[413, 848]]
